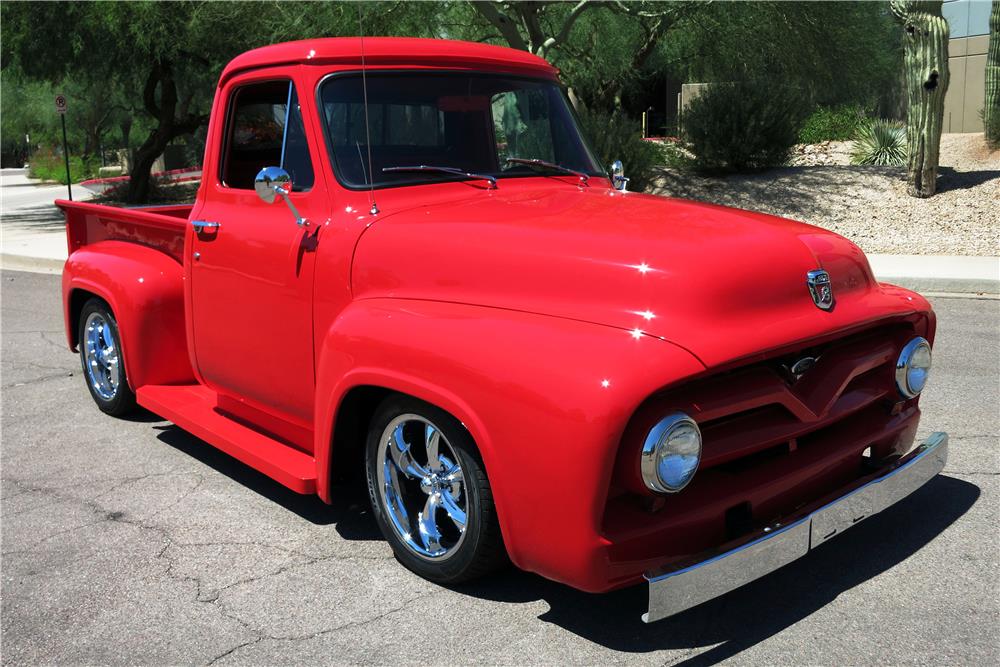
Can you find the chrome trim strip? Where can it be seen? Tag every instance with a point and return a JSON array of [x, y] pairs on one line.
[[671, 592]]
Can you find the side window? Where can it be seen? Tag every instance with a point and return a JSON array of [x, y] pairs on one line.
[[264, 130]]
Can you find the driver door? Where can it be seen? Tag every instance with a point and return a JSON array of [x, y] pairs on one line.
[[252, 266]]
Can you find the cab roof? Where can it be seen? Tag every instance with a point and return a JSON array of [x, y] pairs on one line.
[[392, 51]]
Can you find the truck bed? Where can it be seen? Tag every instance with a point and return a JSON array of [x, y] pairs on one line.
[[160, 227]]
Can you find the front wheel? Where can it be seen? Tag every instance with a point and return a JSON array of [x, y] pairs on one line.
[[430, 494], [101, 357]]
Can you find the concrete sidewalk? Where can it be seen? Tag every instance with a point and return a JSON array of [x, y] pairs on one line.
[[32, 231], [33, 238]]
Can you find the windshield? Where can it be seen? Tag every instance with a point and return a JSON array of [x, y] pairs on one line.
[[469, 122]]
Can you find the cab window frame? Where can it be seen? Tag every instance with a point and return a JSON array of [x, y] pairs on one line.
[[228, 129]]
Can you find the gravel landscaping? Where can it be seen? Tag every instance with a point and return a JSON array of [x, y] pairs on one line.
[[869, 205]]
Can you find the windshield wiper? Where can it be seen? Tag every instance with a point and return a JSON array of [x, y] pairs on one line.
[[535, 162], [445, 170]]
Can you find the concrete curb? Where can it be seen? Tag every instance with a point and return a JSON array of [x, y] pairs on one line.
[[50, 265], [939, 273], [945, 285]]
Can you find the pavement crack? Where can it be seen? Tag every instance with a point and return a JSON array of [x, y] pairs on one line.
[[971, 473], [38, 380], [355, 624], [234, 649], [60, 345]]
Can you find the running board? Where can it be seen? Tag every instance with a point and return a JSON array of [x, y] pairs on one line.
[[192, 407]]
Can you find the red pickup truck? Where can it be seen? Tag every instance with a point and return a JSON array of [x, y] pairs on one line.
[[406, 263]]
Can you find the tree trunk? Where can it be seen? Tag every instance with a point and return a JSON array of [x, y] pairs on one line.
[[926, 71], [126, 128], [169, 126], [145, 156], [991, 111]]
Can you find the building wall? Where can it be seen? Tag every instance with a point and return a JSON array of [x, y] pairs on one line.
[[968, 21]]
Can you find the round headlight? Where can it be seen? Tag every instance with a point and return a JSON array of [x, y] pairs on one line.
[[913, 366], [671, 453]]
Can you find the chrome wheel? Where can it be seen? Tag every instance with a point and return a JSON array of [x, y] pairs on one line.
[[101, 357], [421, 486]]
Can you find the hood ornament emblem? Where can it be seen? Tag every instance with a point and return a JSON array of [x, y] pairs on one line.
[[801, 367], [792, 371], [820, 289]]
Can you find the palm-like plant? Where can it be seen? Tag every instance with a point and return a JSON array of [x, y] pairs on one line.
[[881, 142]]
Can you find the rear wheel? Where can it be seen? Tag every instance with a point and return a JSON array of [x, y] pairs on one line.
[[101, 358], [430, 493]]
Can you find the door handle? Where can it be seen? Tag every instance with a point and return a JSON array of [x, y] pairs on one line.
[[202, 225]]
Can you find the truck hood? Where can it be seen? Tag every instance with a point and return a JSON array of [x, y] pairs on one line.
[[720, 282]]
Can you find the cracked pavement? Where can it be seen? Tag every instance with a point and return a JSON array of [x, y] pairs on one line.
[[132, 542]]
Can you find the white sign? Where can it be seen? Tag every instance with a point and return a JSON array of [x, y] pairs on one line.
[[60, 104]]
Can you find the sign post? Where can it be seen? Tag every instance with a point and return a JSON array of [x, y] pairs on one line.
[[61, 110]]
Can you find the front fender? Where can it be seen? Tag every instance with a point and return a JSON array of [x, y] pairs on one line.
[[546, 400], [145, 289]]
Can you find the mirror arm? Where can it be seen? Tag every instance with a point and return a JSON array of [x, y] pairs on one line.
[[299, 220]]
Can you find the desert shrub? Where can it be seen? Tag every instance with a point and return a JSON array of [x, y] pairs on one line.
[[831, 124], [49, 166], [615, 137], [880, 142], [743, 126], [675, 155]]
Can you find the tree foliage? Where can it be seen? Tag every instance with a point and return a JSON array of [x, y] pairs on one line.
[[166, 56], [157, 62], [601, 47], [836, 52]]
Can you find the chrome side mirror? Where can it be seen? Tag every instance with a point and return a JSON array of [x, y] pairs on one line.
[[273, 181], [618, 179]]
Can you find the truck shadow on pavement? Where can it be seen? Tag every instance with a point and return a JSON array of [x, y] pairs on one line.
[[754, 613], [349, 514], [735, 622]]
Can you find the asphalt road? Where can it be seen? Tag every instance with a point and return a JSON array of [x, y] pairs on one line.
[[133, 542]]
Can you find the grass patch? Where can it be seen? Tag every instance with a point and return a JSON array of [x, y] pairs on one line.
[[50, 166]]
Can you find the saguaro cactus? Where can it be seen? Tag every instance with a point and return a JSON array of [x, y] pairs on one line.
[[926, 71], [991, 112]]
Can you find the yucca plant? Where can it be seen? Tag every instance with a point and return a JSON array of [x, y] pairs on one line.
[[881, 142]]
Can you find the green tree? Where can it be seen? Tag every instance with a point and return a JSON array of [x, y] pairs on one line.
[[168, 55], [600, 46], [835, 52]]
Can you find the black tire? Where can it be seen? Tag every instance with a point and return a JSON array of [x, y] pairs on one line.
[[122, 401], [481, 550]]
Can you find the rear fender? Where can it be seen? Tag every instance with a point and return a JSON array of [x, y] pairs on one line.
[[546, 400], [144, 288]]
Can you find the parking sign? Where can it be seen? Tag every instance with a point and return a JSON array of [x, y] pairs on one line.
[[60, 104]]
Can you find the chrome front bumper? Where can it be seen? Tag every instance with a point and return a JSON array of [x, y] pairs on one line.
[[674, 590]]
